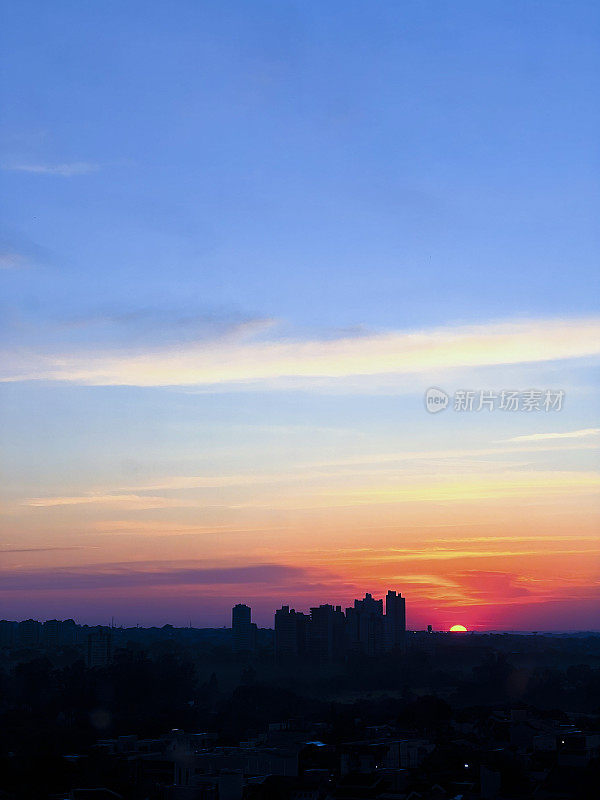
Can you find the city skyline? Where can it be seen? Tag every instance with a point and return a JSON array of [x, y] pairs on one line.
[[392, 606], [239, 246]]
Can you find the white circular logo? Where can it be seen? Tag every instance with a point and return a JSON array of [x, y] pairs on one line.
[[435, 400]]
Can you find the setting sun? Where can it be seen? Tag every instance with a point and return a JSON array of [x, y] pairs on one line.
[[458, 629]]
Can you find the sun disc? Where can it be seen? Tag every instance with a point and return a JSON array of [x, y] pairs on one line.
[[458, 629]]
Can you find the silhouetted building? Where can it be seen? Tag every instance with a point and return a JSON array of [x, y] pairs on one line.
[[99, 648], [241, 614], [291, 633], [50, 632], [243, 629], [365, 630], [395, 620], [326, 633], [56, 633], [29, 633], [330, 635], [8, 633], [367, 756], [369, 605]]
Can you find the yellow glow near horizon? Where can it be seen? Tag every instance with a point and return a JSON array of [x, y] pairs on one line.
[[458, 629], [394, 352]]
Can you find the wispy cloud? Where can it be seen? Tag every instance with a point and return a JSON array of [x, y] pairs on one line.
[[380, 490], [431, 555], [474, 487], [9, 260], [134, 574], [64, 170], [21, 550], [383, 465], [123, 501], [584, 433], [169, 326], [472, 587], [265, 362]]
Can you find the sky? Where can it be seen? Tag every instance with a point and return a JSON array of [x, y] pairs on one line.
[[239, 242]]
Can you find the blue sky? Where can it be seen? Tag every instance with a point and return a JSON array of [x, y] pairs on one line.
[[327, 164], [190, 186]]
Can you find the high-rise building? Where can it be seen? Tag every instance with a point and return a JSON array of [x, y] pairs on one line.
[[240, 614], [8, 633], [243, 629], [365, 630], [51, 633], [29, 633], [395, 619], [99, 648], [291, 633], [326, 633], [56, 633], [369, 605]]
